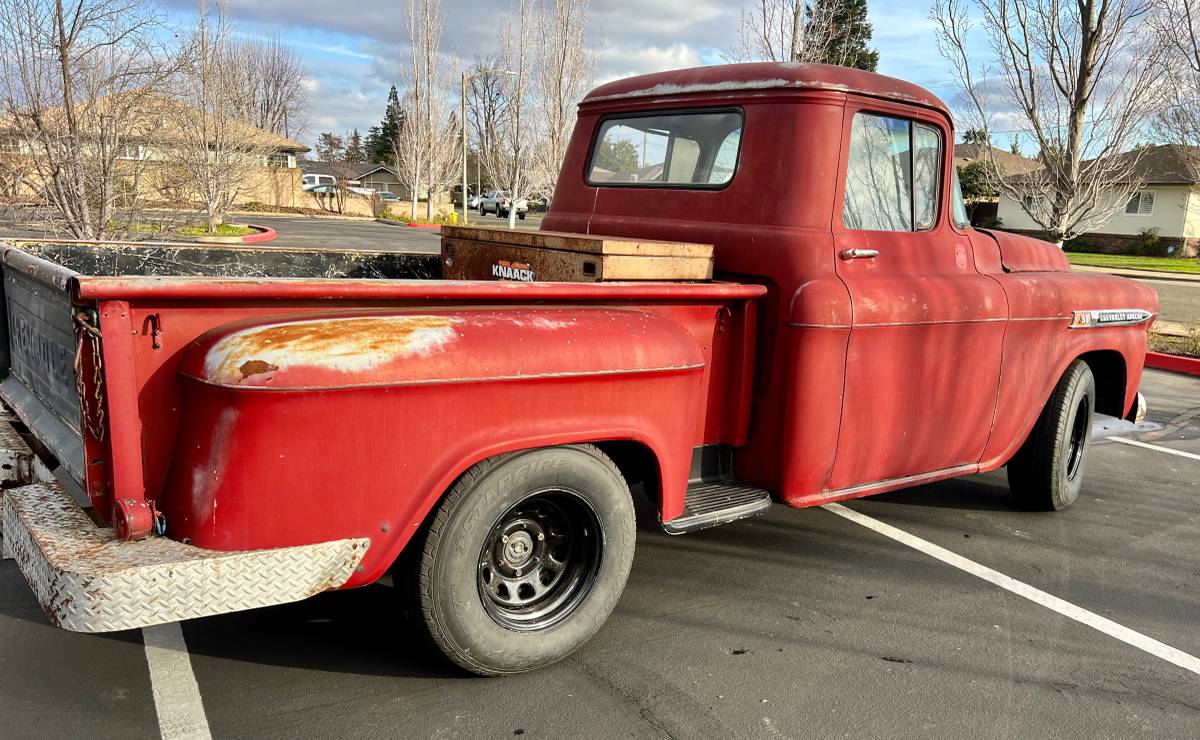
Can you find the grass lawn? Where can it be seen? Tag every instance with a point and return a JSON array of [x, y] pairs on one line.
[[1126, 262], [1188, 346], [222, 230]]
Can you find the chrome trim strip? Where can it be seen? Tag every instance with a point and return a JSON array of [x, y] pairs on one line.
[[1099, 318]]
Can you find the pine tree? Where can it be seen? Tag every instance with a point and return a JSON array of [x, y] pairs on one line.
[[380, 138], [355, 151], [330, 147], [851, 32], [976, 136]]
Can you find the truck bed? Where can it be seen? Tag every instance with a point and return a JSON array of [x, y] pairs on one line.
[[112, 321]]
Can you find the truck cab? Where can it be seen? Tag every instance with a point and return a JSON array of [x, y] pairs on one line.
[[898, 344], [259, 427]]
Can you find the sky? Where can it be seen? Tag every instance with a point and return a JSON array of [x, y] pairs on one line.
[[352, 49]]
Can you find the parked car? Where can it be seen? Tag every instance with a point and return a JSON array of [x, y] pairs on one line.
[[311, 181], [499, 203], [473, 201], [388, 197], [480, 440]]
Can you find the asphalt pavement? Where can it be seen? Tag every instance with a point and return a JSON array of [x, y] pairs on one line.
[[797, 624], [1179, 301]]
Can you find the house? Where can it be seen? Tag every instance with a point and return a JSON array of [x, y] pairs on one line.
[[381, 178], [983, 209], [1167, 202], [154, 139]]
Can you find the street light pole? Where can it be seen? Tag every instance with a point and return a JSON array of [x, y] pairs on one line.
[[462, 122]]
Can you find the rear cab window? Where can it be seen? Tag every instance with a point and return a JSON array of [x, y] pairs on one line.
[[685, 149], [893, 177]]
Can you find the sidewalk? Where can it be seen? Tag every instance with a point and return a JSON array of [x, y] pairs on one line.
[[1141, 274]]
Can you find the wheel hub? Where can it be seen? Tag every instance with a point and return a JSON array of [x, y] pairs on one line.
[[539, 561]]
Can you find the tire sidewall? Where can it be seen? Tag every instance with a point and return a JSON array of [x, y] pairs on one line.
[[453, 594], [1066, 490]]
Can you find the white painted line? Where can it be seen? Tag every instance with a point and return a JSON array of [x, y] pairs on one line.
[[176, 695], [1158, 649], [1156, 448]]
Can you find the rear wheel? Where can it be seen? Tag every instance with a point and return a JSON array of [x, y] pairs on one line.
[[521, 216], [1047, 472], [526, 558]]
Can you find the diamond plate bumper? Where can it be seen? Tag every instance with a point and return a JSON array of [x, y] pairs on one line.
[[88, 581]]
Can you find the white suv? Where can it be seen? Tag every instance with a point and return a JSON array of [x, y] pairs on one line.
[[498, 202]]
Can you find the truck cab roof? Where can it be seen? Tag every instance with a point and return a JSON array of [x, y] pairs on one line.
[[737, 80]]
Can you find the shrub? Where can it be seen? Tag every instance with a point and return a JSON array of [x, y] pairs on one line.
[[1079, 244], [1149, 245], [991, 222]]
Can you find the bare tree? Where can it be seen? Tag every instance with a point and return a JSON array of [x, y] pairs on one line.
[[274, 97], [76, 103], [566, 72], [1082, 76], [217, 153], [822, 31], [507, 161], [1178, 118], [425, 151], [487, 106]]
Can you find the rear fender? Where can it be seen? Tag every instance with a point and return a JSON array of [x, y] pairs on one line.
[[309, 428]]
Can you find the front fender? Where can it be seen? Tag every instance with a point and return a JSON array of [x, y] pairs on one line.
[[1039, 344]]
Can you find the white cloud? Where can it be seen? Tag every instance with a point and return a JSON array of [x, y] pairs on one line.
[[353, 51]]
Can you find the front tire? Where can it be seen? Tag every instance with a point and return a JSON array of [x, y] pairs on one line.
[[1047, 472], [526, 558]]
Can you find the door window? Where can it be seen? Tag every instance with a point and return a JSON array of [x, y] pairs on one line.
[[893, 175]]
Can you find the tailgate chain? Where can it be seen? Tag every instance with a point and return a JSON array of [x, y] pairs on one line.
[[92, 415]]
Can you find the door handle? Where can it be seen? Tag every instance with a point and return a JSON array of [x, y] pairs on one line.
[[859, 254]]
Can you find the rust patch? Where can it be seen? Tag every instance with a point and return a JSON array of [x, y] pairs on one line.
[[345, 344], [256, 367]]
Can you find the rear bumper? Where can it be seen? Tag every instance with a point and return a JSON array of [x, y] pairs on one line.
[[88, 581]]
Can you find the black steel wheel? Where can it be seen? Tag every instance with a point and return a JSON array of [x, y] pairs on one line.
[[1047, 472], [540, 560], [525, 558]]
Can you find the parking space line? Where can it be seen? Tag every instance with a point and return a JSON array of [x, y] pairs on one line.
[[176, 696], [1157, 448], [1158, 649]]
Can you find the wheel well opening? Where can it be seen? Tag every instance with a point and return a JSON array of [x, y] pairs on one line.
[[638, 465], [1108, 368]]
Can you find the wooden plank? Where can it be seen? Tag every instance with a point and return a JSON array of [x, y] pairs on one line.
[[636, 267], [584, 243], [473, 260]]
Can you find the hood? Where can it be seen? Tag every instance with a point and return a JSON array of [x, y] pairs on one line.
[[1026, 254]]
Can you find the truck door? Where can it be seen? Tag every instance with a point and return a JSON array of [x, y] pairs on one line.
[[923, 358]]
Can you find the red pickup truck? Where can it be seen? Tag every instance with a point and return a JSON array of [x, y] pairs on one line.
[[259, 426]]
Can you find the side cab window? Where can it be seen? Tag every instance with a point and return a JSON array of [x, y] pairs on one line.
[[893, 176]]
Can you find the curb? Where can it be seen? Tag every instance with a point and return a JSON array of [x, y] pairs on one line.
[[1173, 363], [408, 224], [264, 234]]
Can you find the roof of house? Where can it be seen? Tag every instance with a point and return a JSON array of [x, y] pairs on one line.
[[1166, 164], [723, 79], [162, 117], [357, 170], [1006, 161]]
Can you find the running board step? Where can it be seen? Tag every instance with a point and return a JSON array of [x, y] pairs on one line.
[[709, 504]]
